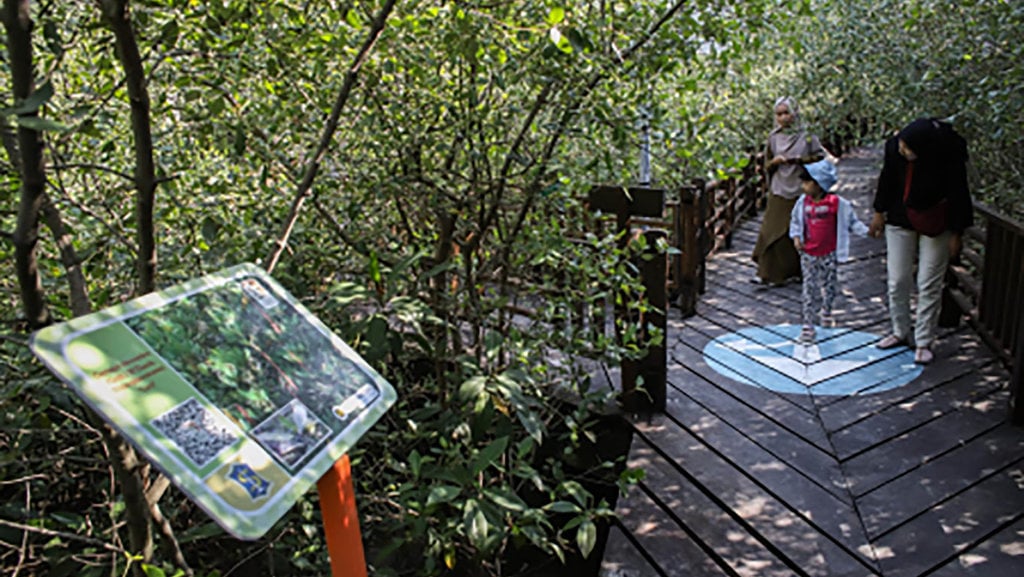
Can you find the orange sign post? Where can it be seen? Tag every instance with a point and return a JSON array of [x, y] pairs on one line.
[[341, 522]]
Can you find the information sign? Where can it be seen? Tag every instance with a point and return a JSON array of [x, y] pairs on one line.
[[226, 383]]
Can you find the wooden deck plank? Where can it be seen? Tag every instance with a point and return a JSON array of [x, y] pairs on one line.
[[752, 441], [961, 529], [818, 546], [736, 550], [957, 354], [668, 551], [892, 420], [906, 452], [941, 479], [688, 353], [999, 554], [623, 558]]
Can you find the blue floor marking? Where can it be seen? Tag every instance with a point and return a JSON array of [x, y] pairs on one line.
[[839, 362]]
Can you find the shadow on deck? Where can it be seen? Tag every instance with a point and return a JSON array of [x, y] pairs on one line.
[[836, 459]]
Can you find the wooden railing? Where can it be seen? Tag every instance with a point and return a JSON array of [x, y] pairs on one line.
[[987, 285], [704, 220]]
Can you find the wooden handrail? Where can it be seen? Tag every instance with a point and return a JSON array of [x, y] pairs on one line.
[[988, 292], [993, 215]]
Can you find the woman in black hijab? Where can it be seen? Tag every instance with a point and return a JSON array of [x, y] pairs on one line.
[[923, 205]]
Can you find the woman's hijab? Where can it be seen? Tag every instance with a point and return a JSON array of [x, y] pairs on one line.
[[933, 141], [786, 137], [940, 153]]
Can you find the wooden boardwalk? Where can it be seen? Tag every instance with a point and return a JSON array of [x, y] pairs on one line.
[[836, 459]]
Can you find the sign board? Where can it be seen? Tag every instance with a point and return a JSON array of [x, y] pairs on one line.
[[229, 385]]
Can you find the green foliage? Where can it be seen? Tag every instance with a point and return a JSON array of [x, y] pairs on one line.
[[450, 197]]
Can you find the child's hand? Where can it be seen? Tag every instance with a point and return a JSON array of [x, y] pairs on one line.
[[798, 244]]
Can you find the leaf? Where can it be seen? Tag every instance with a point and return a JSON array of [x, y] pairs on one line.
[[209, 229], [415, 461], [532, 423], [375, 274], [562, 507], [475, 523], [506, 499], [38, 97], [586, 537], [353, 19], [53, 39], [556, 15], [442, 494], [169, 34], [41, 124], [69, 520], [577, 492], [489, 455], [560, 41], [376, 339], [200, 532], [472, 389]]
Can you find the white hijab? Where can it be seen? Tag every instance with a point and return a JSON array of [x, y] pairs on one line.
[[788, 136]]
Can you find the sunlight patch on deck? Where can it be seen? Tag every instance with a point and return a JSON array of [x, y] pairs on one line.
[[838, 362]]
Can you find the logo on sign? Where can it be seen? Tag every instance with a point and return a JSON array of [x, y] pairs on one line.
[[255, 485]]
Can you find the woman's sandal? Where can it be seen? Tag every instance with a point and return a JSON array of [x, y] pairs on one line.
[[890, 342], [923, 356]]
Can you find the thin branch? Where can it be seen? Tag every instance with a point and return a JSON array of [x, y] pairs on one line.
[[169, 543], [24, 536], [538, 105], [80, 303], [339, 229], [22, 479], [328, 134], [63, 535], [90, 166]]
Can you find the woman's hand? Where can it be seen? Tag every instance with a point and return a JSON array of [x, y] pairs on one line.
[[877, 225], [776, 161], [956, 244]]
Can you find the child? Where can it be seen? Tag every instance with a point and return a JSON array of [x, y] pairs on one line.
[[820, 226]]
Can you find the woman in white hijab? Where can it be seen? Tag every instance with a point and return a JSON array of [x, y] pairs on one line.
[[789, 147]]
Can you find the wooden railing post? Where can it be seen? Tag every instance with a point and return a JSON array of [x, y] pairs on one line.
[[625, 203], [1017, 379], [675, 267], [730, 210], [705, 233], [1016, 337], [751, 186], [652, 367], [689, 246]]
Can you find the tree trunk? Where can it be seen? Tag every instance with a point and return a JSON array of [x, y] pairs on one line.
[[18, 23], [129, 468], [118, 16]]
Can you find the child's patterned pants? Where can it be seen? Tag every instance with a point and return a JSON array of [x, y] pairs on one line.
[[820, 282]]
